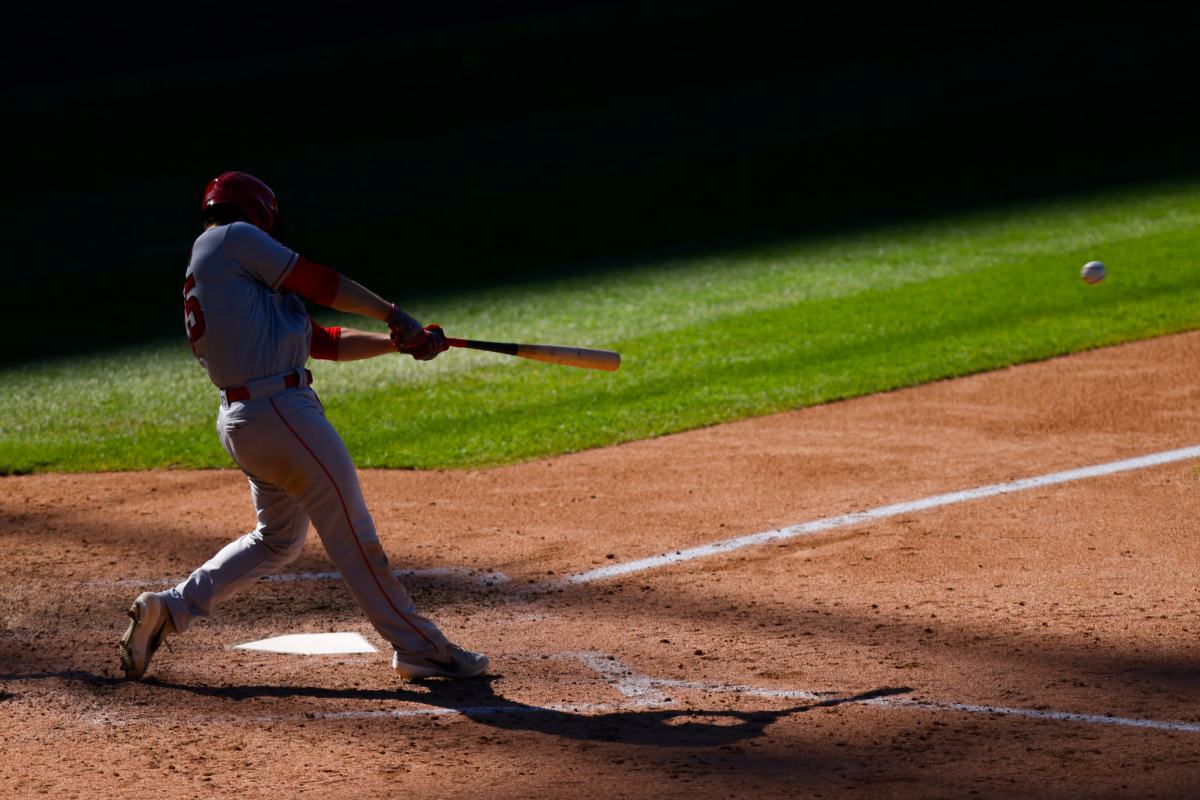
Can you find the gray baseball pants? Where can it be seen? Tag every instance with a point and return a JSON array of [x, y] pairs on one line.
[[299, 469]]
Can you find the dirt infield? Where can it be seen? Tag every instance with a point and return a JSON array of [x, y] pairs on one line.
[[1044, 642]]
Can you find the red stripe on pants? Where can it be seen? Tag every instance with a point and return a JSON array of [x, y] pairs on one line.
[[354, 533]]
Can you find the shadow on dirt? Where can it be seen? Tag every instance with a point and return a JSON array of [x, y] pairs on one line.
[[922, 643], [680, 727], [478, 700], [68, 675]]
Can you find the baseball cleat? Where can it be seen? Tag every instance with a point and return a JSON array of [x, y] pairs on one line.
[[451, 661], [149, 624]]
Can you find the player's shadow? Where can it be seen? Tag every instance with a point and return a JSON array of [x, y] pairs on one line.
[[650, 725]]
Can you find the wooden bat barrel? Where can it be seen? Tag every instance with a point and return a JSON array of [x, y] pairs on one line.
[[585, 357]]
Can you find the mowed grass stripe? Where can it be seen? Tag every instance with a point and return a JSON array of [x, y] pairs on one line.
[[724, 338], [811, 353]]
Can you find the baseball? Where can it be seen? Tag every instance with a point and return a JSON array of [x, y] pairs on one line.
[[1093, 272]]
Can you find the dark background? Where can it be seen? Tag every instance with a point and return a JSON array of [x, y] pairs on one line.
[[431, 150]]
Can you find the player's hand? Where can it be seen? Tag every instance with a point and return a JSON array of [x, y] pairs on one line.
[[406, 331], [435, 342]]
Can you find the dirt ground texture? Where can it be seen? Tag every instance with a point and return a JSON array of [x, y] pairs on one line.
[[823, 666]]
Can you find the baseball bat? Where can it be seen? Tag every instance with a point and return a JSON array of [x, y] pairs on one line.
[[585, 357]]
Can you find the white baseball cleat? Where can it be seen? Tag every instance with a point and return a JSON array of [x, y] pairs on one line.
[[149, 624], [451, 661]]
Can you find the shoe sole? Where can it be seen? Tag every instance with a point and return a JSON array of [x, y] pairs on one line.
[[128, 662], [416, 672]]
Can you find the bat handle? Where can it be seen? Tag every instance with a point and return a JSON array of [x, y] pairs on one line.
[[490, 347]]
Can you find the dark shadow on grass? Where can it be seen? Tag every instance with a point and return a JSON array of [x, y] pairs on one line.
[[584, 142]]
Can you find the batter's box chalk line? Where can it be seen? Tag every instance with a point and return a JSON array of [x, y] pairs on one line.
[[845, 520], [474, 577], [644, 688], [645, 692]]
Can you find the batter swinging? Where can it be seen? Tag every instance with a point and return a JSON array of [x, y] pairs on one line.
[[252, 334]]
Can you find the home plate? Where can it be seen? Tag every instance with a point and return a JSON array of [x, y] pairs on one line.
[[311, 644]]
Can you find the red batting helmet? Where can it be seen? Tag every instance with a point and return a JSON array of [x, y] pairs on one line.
[[250, 196]]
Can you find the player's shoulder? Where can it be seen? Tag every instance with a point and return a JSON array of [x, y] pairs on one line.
[[242, 231], [217, 248], [207, 247], [251, 237], [217, 237], [242, 249]]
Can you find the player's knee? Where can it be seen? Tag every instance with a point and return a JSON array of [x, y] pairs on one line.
[[291, 550], [287, 549], [286, 544]]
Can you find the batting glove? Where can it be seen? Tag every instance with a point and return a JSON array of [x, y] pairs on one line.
[[406, 331], [435, 342]]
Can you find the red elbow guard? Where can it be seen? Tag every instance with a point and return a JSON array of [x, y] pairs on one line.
[[317, 283], [324, 343]]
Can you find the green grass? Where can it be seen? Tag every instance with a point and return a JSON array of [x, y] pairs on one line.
[[703, 341]]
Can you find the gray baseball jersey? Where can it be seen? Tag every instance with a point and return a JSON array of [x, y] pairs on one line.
[[241, 326], [244, 328]]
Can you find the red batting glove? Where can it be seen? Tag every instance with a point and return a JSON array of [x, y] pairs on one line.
[[435, 342], [406, 331]]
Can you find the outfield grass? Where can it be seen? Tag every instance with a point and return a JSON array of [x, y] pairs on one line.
[[703, 341]]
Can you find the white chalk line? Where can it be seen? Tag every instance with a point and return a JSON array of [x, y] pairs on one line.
[[1031, 713], [395, 713], [828, 523], [479, 577], [489, 579], [645, 693], [632, 685]]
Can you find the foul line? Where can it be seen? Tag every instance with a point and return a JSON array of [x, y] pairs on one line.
[[816, 526], [1061, 716]]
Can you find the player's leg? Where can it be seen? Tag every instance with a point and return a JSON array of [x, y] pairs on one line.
[[276, 542], [325, 484], [323, 481]]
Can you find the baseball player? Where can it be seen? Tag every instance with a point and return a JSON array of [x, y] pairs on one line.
[[252, 334]]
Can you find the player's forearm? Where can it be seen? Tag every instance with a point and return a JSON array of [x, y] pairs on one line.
[[355, 345], [357, 299]]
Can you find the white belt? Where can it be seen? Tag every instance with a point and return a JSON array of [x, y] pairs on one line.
[[263, 388]]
